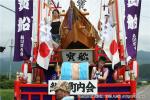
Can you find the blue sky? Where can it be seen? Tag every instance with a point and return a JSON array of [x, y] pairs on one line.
[[7, 20]]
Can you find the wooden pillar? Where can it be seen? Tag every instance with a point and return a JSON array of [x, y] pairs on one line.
[[29, 96], [53, 97], [106, 97], [41, 97], [93, 98], [17, 90], [78, 97], [133, 89]]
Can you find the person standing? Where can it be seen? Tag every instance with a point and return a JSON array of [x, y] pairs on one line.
[[55, 25]]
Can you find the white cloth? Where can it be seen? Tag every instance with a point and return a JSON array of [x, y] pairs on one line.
[[110, 44], [29, 79], [68, 98], [109, 38], [128, 59], [46, 46], [25, 71], [135, 68]]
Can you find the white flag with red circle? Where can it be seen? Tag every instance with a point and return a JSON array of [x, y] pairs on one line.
[[110, 44], [44, 55], [45, 46]]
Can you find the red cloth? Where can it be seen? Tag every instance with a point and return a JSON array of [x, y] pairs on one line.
[[38, 72], [122, 52], [118, 72], [29, 67], [121, 70], [130, 64], [35, 53], [133, 68]]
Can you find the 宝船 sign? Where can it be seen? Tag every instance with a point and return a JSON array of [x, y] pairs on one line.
[[77, 55]]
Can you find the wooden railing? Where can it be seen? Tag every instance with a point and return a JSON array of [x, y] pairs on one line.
[[104, 90]]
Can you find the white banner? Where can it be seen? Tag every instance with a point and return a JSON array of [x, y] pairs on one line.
[[78, 87]]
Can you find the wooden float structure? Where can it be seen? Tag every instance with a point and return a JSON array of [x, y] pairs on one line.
[[77, 33]]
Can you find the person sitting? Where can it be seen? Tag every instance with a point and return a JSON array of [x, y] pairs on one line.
[[100, 72], [55, 25], [132, 66], [119, 73]]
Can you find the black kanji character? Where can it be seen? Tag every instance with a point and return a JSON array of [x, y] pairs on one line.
[[81, 3], [70, 56], [81, 86], [90, 87], [52, 85], [83, 56], [73, 86]]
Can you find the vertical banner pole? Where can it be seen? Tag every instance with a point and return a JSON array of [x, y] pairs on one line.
[[117, 19], [38, 30]]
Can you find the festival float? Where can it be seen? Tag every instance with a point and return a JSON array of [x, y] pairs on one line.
[[80, 45]]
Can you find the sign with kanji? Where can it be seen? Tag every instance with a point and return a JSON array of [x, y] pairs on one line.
[[132, 17], [81, 3], [77, 55], [78, 87], [23, 29]]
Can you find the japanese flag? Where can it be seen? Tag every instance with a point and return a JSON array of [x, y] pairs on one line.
[[110, 44], [45, 46], [108, 33]]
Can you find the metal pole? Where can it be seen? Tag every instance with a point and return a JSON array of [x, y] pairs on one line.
[[10, 66], [11, 46]]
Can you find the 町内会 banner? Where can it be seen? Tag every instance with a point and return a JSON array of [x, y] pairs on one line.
[[78, 87], [23, 29], [132, 16]]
